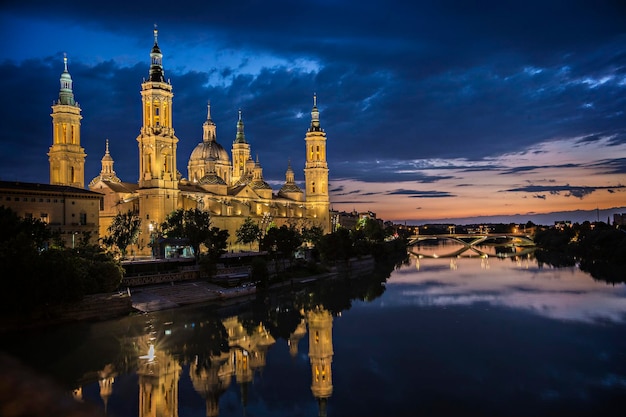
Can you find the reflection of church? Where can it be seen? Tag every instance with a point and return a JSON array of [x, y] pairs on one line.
[[247, 355], [159, 371], [230, 187]]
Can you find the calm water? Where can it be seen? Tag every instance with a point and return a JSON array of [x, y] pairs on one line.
[[460, 336]]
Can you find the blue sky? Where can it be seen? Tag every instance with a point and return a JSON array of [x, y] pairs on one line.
[[433, 109]]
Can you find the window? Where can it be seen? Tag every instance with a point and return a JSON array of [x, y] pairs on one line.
[[44, 217], [8, 198], [28, 215], [25, 199], [83, 218]]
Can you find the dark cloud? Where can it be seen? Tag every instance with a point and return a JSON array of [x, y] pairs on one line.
[[384, 171], [397, 82], [421, 194], [565, 190], [529, 168], [611, 166]]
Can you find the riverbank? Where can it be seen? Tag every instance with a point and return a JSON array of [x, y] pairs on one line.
[[174, 294]]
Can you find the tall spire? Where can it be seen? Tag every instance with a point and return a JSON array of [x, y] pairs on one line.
[[66, 94], [208, 127], [107, 173], [241, 137], [315, 116], [156, 58]]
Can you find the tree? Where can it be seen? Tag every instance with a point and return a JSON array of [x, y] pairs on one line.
[[312, 234], [216, 246], [372, 230], [248, 233], [191, 224], [123, 231], [283, 240], [52, 275], [336, 246]]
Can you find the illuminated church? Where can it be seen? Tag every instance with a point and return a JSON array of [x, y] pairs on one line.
[[230, 187]]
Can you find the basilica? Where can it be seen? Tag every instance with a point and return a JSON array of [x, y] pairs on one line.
[[229, 186]]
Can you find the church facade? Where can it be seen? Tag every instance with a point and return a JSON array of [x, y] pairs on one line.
[[230, 187]]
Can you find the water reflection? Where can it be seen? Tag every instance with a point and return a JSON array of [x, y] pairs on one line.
[[463, 322], [516, 282], [235, 353]]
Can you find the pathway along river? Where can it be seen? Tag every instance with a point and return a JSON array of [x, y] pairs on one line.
[[447, 336]]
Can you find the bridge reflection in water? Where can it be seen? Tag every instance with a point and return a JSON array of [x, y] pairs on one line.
[[468, 245]]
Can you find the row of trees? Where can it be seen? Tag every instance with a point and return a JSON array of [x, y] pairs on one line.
[[597, 247], [40, 271]]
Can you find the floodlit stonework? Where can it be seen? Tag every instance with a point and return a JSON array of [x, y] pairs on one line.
[[230, 187]]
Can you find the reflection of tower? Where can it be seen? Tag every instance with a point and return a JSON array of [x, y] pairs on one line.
[[294, 338], [211, 382], [106, 377], [158, 385], [321, 355], [248, 351]]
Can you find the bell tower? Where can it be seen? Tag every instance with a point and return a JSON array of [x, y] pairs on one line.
[[66, 156], [241, 153], [316, 171], [158, 176], [157, 142]]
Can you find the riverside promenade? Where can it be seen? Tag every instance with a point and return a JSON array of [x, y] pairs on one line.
[[166, 296]]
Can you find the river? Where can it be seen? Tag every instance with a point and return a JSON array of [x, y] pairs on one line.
[[482, 335]]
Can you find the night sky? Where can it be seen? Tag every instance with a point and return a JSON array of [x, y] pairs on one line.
[[433, 109]]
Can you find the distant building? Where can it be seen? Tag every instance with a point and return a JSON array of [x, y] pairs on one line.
[[562, 224], [351, 219], [619, 219], [68, 210]]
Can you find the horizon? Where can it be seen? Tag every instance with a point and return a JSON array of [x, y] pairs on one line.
[[444, 113]]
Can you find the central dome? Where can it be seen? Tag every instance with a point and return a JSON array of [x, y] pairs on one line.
[[209, 149]]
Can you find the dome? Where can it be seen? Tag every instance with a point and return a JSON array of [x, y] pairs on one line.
[[209, 149]]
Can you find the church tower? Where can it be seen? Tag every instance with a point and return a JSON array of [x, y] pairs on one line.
[[316, 170], [66, 156], [241, 154], [158, 179]]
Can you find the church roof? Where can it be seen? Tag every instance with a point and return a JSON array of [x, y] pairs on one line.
[[290, 188], [211, 179], [45, 188], [121, 187], [259, 184]]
